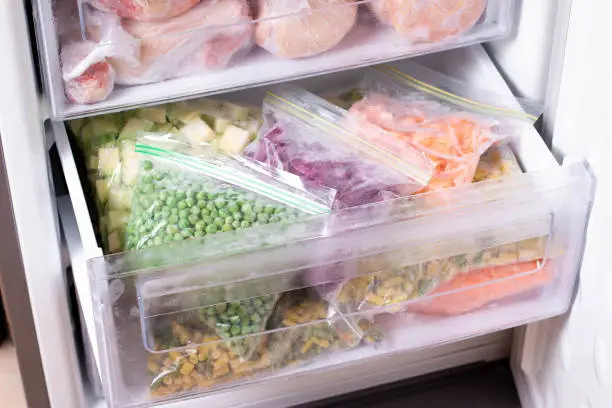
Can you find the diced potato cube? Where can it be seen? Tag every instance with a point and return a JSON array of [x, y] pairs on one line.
[[133, 127], [221, 124], [155, 114], [108, 160], [197, 131], [117, 219], [120, 198], [234, 140], [102, 190], [114, 242]]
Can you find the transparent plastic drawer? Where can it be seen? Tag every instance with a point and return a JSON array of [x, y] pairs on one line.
[[104, 55], [200, 316]]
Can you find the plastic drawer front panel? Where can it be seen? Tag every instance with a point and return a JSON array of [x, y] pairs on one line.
[[282, 300], [103, 55]]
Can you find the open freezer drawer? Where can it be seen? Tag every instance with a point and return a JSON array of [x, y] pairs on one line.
[[543, 214]]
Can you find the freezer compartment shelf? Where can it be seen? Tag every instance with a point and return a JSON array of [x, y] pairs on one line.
[[542, 212], [149, 64], [376, 280]]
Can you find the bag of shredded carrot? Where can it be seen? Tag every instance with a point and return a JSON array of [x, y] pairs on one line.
[[451, 123]]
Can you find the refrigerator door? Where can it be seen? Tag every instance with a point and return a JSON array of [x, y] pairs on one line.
[[565, 362]]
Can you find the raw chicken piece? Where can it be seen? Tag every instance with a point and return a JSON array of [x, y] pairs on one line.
[[88, 76], [429, 20], [303, 28], [149, 10], [205, 37]]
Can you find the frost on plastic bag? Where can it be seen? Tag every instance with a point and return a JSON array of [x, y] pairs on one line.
[[301, 329], [397, 285], [181, 197], [208, 36], [144, 10], [87, 74], [107, 142], [303, 28], [429, 20], [450, 124], [477, 288], [321, 153]]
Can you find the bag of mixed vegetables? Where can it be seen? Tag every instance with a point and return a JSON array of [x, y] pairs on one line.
[[108, 145], [452, 124], [185, 192]]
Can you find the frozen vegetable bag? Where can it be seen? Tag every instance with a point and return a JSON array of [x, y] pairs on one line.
[[185, 192], [308, 137], [106, 140], [451, 123]]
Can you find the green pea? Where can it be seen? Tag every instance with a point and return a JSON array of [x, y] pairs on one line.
[[269, 209], [168, 238], [211, 206], [263, 218], [219, 221], [201, 196], [232, 207], [223, 213], [235, 330], [171, 201], [235, 319], [257, 302], [220, 202], [245, 329], [205, 212], [237, 216], [183, 223], [147, 165], [245, 224], [201, 204], [180, 195], [195, 210], [255, 318], [236, 224], [193, 219], [200, 225], [258, 208], [174, 210], [198, 234], [227, 228], [187, 232], [247, 209], [229, 220], [189, 201], [181, 204], [211, 229], [208, 219], [178, 237]]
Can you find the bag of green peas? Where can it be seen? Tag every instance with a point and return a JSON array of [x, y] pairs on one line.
[[189, 193]]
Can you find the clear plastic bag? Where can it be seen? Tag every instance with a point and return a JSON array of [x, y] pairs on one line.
[[148, 10], [303, 28], [398, 285], [208, 36], [191, 193], [306, 138], [452, 124], [497, 162], [106, 140], [429, 20]]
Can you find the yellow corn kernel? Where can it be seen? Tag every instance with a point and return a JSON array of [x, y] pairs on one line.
[[202, 356], [321, 342], [307, 346], [375, 300], [167, 380], [221, 371], [193, 359], [221, 361], [153, 366], [399, 298], [288, 322], [392, 282], [175, 356], [186, 368]]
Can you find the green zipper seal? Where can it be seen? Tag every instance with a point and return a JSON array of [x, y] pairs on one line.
[[244, 181]]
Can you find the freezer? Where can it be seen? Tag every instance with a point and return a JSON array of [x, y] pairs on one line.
[[271, 296]]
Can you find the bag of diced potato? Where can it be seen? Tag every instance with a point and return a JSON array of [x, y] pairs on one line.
[[182, 192], [429, 20], [303, 28], [106, 140], [451, 123]]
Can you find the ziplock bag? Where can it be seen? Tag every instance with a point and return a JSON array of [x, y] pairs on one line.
[[429, 20], [303, 28], [184, 193], [106, 140], [398, 285], [310, 138], [497, 162], [208, 36], [449, 122]]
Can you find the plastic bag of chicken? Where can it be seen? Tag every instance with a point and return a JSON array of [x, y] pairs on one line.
[[208, 36], [155, 10], [303, 28], [429, 20]]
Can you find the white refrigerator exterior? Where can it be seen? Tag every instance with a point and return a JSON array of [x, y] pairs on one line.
[[562, 362]]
